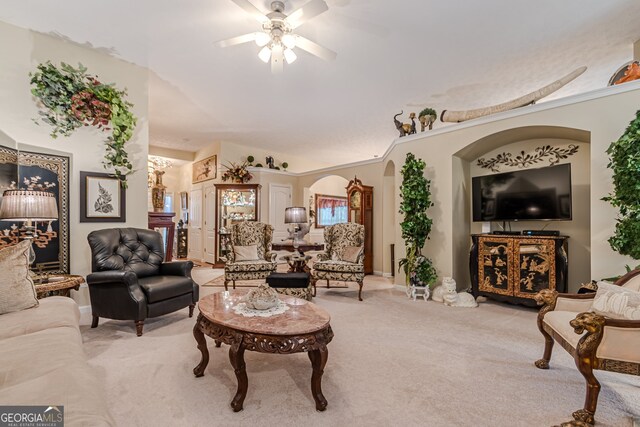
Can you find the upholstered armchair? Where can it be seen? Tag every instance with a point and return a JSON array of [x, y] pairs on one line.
[[595, 341], [343, 258], [130, 281], [249, 256]]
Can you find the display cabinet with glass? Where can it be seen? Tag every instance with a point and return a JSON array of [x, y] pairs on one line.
[[234, 203]]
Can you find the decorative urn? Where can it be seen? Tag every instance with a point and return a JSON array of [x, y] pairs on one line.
[[158, 192]]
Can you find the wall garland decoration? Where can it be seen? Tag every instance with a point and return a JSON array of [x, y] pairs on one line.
[[69, 98], [523, 160]]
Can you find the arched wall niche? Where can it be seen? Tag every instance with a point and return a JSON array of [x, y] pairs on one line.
[[390, 218], [514, 141]]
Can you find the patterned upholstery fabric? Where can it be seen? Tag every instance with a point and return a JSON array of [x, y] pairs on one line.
[[329, 267], [304, 293], [341, 266], [250, 233]]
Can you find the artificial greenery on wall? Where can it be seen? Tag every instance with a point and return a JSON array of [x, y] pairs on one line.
[[415, 192], [624, 160], [70, 98]]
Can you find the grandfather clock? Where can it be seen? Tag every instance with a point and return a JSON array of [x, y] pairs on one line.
[[360, 198]]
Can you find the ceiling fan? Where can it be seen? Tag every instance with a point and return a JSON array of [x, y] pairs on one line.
[[277, 38]]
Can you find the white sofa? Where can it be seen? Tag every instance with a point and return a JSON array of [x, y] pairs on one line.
[[42, 362]]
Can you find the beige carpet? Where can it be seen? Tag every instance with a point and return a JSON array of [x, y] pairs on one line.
[[393, 362]]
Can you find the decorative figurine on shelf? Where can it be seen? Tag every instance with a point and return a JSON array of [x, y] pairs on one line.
[[405, 128], [270, 162], [427, 118], [631, 73]]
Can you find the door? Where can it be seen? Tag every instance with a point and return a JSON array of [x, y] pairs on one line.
[[279, 200], [209, 224], [195, 225]]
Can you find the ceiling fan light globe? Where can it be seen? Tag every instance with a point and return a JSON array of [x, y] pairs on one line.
[[289, 40], [262, 39], [265, 54], [290, 56]]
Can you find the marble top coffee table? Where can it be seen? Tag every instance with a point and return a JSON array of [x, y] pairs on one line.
[[304, 327]]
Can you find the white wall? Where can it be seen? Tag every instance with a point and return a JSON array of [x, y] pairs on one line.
[[21, 50]]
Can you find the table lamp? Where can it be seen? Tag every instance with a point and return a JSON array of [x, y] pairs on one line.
[[297, 216], [28, 206]]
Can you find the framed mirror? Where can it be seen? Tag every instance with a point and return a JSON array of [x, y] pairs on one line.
[[330, 210]]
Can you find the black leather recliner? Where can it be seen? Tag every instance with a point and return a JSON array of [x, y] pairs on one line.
[[130, 281]]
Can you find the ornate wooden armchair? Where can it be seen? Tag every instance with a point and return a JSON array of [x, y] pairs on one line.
[[331, 265], [595, 341], [249, 233]]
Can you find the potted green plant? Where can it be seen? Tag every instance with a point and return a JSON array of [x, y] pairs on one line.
[[624, 161], [285, 165], [415, 193], [427, 118], [250, 160]]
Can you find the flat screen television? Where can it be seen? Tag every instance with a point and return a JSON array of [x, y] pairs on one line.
[[524, 195]]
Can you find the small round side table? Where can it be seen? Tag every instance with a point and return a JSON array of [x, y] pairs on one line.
[[58, 285]]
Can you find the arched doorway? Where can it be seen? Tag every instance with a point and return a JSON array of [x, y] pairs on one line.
[[389, 221], [328, 186]]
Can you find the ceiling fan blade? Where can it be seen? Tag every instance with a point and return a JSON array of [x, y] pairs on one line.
[[245, 38], [252, 10], [306, 12], [315, 49], [277, 60]]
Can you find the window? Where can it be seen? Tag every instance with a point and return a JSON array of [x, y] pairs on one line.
[[330, 210]]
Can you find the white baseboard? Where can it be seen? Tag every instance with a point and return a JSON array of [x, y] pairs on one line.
[[377, 273], [387, 275], [85, 309]]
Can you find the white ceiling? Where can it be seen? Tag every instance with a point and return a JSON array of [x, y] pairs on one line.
[[392, 55]]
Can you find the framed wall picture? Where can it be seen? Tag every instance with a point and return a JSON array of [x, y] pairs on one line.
[[204, 170], [102, 198]]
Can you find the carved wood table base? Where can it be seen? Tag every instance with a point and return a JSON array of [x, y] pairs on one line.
[[220, 323]]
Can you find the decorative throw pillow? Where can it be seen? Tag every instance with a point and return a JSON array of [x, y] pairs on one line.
[[246, 253], [351, 253], [616, 302], [16, 287]]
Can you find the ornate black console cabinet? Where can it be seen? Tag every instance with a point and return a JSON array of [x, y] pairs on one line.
[[514, 268]]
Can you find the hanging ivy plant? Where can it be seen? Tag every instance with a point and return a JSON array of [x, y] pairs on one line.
[[70, 98], [415, 192], [624, 160]]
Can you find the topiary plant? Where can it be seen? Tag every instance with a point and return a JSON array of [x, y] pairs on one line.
[[415, 192], [428, 112], [624, 161], [285, 165], [250, 159]]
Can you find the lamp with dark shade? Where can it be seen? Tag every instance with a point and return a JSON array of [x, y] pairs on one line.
[[298, 217]]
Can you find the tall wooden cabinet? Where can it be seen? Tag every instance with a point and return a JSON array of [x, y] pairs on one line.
[[515, 268], [360, 202], [234, 203]]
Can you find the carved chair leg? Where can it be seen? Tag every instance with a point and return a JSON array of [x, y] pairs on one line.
[[327, 283], [586, 414], [313, 284], [191, 307], [234, 284], [94, 322], [225, 284], [139, 326], [360, 283], [548, 348]]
